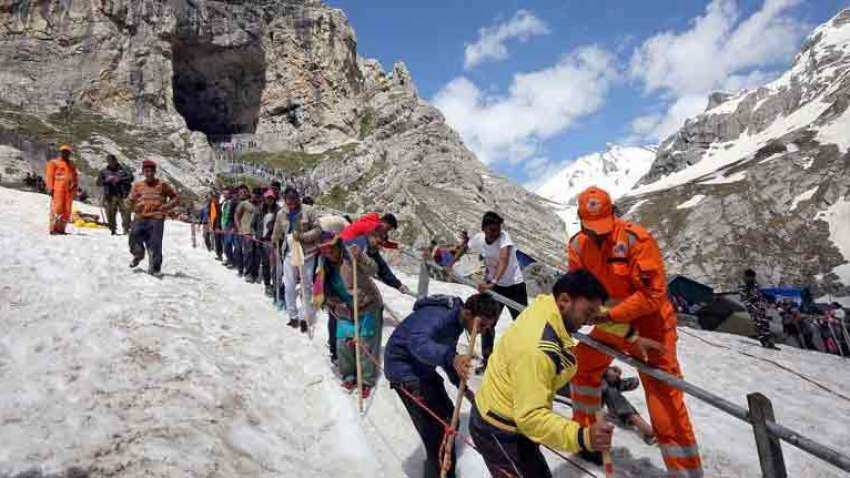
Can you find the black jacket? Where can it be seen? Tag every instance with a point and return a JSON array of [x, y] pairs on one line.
[[120, 187]]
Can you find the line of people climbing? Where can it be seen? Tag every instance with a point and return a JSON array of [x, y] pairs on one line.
[[616, 282]]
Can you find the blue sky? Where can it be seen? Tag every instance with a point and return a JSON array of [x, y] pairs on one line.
[[531, 85]]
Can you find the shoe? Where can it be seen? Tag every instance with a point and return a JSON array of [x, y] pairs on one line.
[[218, 258], [112, 233], [293, 323], [239, 273], [349, 385], [304, 327], [135, 262], [367, 390], [594, 457], [269, 290], [650, 440]]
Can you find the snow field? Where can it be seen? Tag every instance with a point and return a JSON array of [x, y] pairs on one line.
[[197, 375]]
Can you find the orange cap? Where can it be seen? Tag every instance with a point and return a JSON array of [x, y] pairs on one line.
[[66, 147], [596, 210]]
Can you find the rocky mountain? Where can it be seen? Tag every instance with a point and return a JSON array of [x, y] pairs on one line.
[[761, 179], [616, 170], [280, 81]]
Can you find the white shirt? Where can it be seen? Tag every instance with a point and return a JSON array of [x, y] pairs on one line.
[[490, 253]]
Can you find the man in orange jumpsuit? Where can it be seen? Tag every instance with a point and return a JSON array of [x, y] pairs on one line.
[[627, 260], [61, 182]]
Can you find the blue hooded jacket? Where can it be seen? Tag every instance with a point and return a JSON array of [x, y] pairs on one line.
[[425, 340]]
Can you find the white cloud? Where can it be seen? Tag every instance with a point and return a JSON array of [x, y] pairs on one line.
[[720, 51], [491, 40], [537, 106]]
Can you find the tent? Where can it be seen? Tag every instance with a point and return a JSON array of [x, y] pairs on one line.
[[725, 314], [800, 296], [692, 291]]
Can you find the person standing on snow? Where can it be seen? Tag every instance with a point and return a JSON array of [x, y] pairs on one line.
[[228, 223], [502, 272], [268, 214], [512, 414], [61, 180], [151, 200], [628, 262], [297, 223], [213, 224], [335, 291], [425, 340], [243, 213], [756, 304], [116, 181]]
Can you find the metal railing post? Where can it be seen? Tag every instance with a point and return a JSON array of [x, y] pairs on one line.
[[424, 278], [769, 448]]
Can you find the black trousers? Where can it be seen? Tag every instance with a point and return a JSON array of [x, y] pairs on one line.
[[516, 293], [332, 335], [250, 256], [506, 454], [266, 263], [431, 392], [147, 234]]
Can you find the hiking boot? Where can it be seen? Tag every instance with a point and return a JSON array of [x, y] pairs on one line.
[[135, 262], [218, 258], [293, 323], [349, 385], [304, 327], [594, 457]]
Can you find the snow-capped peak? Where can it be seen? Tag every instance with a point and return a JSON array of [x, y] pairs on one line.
[[616, 170]]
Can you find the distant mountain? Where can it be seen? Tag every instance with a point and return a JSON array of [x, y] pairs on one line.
[[616, 170], [761, 179]]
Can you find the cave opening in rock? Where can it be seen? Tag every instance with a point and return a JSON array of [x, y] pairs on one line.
[[218, 89]]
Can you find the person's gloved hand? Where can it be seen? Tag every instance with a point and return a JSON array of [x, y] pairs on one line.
[[404, 290]]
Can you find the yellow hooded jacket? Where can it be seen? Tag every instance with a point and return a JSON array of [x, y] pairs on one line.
[[530, 362]]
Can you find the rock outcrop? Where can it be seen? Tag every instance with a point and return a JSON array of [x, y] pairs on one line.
[[173, 81], [762, 178]]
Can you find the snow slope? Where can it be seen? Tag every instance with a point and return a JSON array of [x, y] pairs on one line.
[[616, 170], [195, 374]]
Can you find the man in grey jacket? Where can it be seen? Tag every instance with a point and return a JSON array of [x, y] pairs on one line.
[[297, 223]]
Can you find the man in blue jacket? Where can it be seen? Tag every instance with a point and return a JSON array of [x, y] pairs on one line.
[[425, 340]]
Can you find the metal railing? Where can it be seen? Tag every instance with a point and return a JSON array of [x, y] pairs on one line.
[[759, 415]]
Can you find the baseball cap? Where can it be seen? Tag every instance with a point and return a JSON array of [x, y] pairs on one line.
[[596, 210]]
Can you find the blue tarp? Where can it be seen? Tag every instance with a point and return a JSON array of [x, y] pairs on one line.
[[798, 295], [524, 259]]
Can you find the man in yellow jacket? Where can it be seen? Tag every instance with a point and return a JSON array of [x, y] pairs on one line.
[[512, 414]]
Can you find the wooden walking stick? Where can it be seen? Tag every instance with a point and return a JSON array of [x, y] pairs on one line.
[[446, 461], [607, 464], [357, 336]]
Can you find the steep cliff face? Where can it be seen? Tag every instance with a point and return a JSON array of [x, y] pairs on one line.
[[174, 80], [762, 178]]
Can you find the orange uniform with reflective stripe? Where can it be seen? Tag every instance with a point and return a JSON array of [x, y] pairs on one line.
[[629, 263], [61, 178]]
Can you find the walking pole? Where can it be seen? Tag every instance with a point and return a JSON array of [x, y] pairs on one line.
[[446, 462], [357, 336], [607, 464], [835, 337]]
